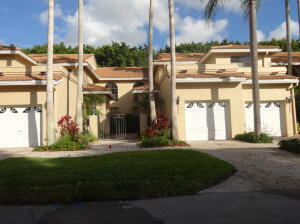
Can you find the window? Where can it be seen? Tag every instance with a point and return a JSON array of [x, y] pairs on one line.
[[241, 59], [114, 89]]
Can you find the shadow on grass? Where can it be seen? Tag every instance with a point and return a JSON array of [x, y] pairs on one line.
[[115, 176]]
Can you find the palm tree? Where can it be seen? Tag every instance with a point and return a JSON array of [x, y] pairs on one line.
[[249, 7], [173, 70], [298, 1], [288, 35], [150, 63], [79, 119], [50, 106]]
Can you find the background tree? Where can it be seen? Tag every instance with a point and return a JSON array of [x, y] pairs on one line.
[[173, 70], [79, 119], [249, 7], [288, 35], [150, 64], [50, 106]]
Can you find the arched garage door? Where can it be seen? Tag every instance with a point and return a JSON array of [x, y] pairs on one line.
[[20, 126], [271, 118], [205, 121]]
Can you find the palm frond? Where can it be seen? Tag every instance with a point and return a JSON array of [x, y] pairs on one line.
[[213, 6]]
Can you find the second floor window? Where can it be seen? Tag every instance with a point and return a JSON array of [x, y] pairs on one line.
[[246, 60], [114, 89]]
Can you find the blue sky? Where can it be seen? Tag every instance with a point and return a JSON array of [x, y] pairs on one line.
[[22, 22]]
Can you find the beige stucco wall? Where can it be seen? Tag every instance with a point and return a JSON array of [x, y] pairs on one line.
[[125, 103], [235, 95]]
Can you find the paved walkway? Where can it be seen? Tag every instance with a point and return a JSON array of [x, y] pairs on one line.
[[261, 167], [99, 148]]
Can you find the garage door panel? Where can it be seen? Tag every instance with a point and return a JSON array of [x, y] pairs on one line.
[[205, 121], [20, 127], [271, 118]]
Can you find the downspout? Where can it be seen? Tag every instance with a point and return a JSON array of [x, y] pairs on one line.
[[294, 110]]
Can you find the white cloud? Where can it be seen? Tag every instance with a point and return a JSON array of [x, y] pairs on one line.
[[119, 20], [260, 35], [280, 31], [200, 31], [44, 15]]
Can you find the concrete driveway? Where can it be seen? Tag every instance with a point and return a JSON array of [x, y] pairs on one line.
[[261, 167]]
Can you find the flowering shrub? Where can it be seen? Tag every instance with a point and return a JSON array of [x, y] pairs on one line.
[[68, 126], [160, 127]]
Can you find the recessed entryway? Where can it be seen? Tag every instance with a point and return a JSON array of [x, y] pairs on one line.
[[206, 121], [20, 126], [271, 118]]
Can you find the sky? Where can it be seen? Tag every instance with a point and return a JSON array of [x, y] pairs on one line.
[[24, 23]]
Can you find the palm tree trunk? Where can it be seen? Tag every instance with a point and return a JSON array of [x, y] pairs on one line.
[[288, 36], [50, 104], [150, 63], [254, 66], [173, 70], [79, 119], [299, 16]]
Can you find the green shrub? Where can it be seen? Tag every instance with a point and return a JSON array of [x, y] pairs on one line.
[[70, 143], [254, 138], [157, 141], [292, 145]]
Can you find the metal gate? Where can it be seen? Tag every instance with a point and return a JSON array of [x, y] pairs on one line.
[[119, 126]]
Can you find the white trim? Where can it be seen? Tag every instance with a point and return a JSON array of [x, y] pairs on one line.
[[177, 62], [144, 91], [245, 50], [18, 52], [99, 92], [27, 83], [199, 80], [274, 81], [122, 79], [284, 63]]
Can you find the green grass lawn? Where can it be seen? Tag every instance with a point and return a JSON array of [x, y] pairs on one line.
[[116, 176]]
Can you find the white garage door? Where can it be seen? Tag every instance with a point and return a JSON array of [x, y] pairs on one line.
[[205, 121], [20, 126], [271, 119]]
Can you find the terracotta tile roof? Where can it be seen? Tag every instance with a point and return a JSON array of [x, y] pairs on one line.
[[237, 75], [206, 75], [2, 47], [91, 87], [231, 46], [165, 57], [59, 58], [281, 57], [127, 72], [27, 77]]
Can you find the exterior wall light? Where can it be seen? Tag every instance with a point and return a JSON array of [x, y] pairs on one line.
[[177, 100]]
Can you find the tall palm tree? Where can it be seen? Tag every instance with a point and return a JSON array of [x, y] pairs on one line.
[[79, 119], [298, 1], [249, 7], [173, 69], [288, 35], [150, 63], [49, 94]]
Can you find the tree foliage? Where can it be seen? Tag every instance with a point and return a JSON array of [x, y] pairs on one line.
[[114, 54], [122, 55]]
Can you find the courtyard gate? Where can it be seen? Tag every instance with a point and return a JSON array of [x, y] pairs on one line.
[[119, 126]]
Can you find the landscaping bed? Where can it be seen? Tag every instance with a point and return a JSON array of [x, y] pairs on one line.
[[116, 176], [252, 137], [291, 145]]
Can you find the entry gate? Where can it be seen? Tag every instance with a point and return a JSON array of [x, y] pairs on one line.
[[119, 126]]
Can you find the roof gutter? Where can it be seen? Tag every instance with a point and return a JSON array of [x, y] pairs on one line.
[[27, 83], [99, 93], [18, 52]]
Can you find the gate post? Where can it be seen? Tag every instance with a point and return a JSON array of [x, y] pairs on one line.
[[94, 125], [143, 122]]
